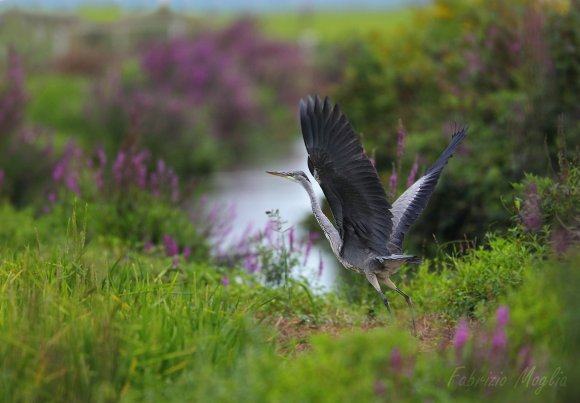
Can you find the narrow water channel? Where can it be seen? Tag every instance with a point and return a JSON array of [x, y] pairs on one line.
[[252, 192]]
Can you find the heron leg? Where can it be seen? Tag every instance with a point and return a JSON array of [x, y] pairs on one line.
[[410, 303], [392, 286], [372, 278]]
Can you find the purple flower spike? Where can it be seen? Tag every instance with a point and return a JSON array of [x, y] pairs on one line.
[[380, 388], [170, 245], [393, 185], [308, 248], [400, 143], [502, 316], [499, 341], [320, 264], [396, 360], [51, 197], [225, 281], [531, 214], [525, 357], [147, 246], [291, 238], [58, 171], [461, 335], [413, 173]]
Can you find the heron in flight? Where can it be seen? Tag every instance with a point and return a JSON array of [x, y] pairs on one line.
[[369, 232]]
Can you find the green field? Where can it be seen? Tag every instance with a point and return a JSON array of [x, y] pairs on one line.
[[325, 26], [335, 26]]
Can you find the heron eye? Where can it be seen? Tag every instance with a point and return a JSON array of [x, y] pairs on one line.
[[310, 166]]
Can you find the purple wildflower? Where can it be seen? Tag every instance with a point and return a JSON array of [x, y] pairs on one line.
[[99, 173], [118, 167], [2, 175], [12, 97], [499, 340], [186, 252], [320, 264], [72, 184], [170, 245], [147, 246], [461, 335], [502, 316], [380, 388], [413, 172], [559, 241], [525, 358], [308, 247], [396, 360], [269, 231], [393, 185], [531, 214], [251, 263], [225, 281], [400, 143], [58, 171], [291, 238]]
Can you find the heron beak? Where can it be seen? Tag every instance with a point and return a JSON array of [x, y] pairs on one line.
[[281, 174]]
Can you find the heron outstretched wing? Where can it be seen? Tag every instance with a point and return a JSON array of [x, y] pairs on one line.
[[409, 205], [349, 181]]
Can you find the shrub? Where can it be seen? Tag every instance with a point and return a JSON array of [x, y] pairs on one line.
[[554, 202], [203, 101], [25, 152], [129, 200], [491, 65]]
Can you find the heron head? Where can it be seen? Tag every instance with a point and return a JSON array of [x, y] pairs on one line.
[[295, 176]]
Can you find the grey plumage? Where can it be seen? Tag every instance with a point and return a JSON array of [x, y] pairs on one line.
[[369, 232]]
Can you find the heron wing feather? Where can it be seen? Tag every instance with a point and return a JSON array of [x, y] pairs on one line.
[[407, 208], [348, 179]]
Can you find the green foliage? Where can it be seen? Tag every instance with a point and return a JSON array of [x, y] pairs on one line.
[[554, 201], [134, 221], [472, 284], [56, 101], [17, 229], [87, 318], [330, 26], [505, 69], [25, 166], [95, 326]]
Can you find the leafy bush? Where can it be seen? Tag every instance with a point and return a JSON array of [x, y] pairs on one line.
[[193, 96], [128, 200], [464, 287], [25, 152], [553, 202], [507, 70]]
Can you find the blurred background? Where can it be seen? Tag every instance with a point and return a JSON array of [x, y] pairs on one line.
[[139, 106]]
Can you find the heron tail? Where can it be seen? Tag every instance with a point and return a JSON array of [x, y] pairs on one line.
[[406, 258]]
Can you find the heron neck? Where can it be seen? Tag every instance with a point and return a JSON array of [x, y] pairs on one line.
[[329, 229]]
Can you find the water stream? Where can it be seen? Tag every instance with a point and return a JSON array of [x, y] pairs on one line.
[[252, 192]]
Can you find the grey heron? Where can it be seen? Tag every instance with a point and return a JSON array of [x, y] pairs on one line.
[[369, 232]]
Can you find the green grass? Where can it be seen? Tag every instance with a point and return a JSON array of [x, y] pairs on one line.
[[100, 14], [332, 26], [57, 101], [88, 318]]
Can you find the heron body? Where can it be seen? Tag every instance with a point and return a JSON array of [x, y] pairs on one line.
[[368, 235]]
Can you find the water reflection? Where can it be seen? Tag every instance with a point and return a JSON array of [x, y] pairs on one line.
[[253, 192]]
